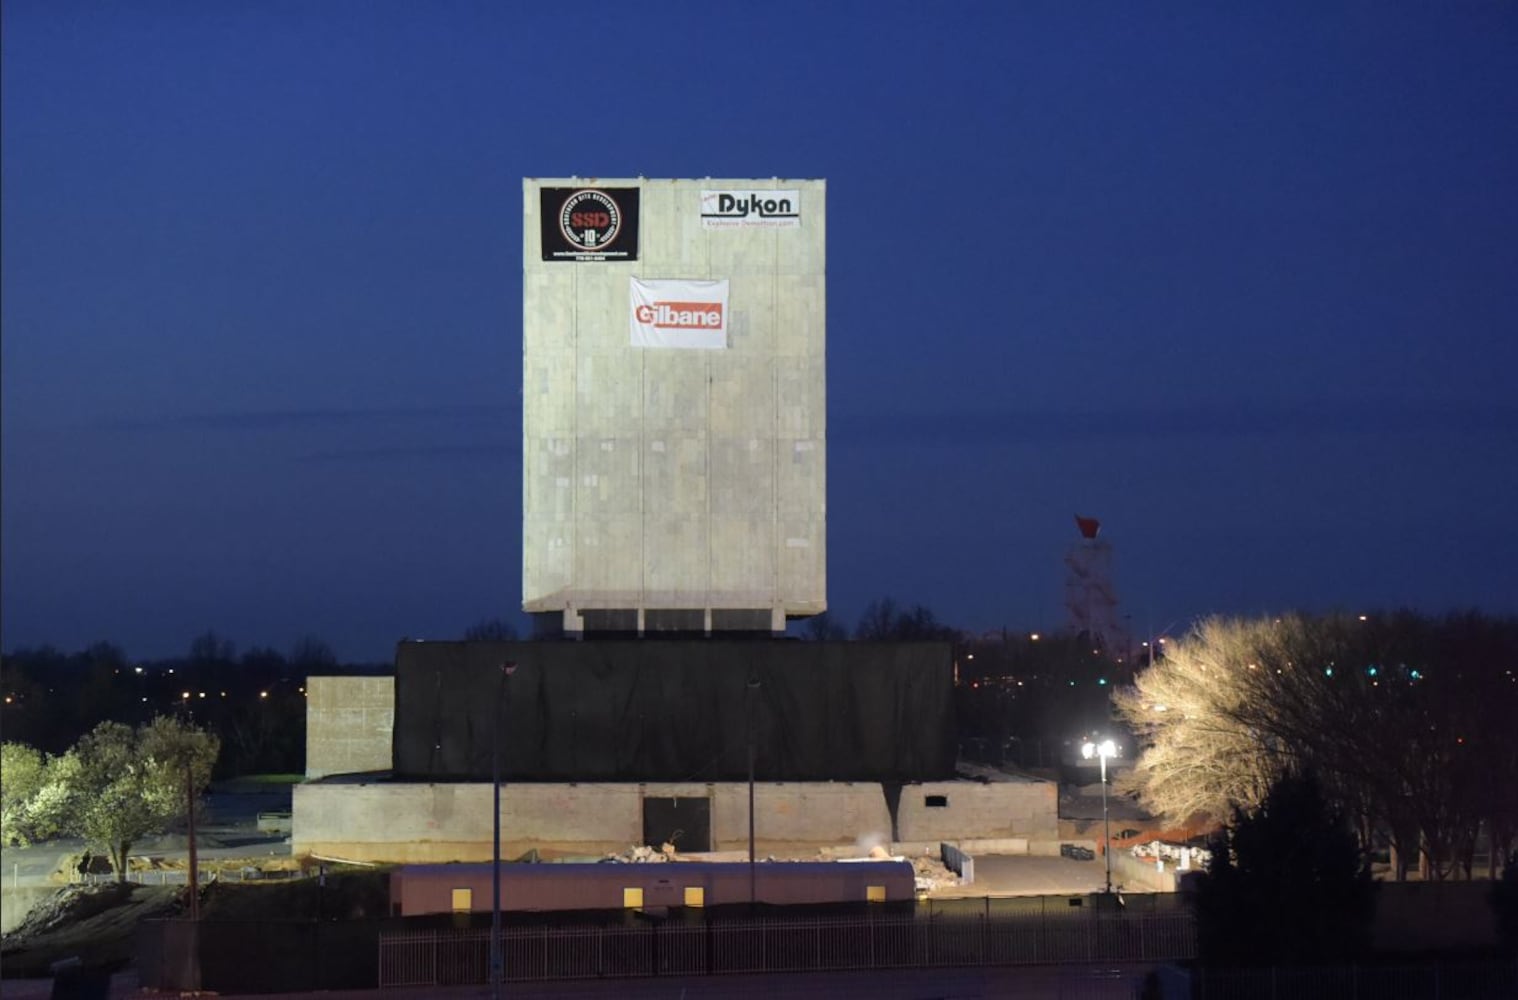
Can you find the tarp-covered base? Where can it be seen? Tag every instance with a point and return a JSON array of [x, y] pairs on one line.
[[651, 710]]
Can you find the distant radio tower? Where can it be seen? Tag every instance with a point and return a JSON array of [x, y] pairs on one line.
[[1089, 594]]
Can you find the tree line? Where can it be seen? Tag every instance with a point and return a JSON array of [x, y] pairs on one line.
[[1406, 720], [253, 701]]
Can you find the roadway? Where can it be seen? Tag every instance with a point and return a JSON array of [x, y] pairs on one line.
[[1041, 982]]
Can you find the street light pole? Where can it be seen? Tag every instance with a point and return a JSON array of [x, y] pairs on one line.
[[753, 688], [496, 965], [1102, 751]]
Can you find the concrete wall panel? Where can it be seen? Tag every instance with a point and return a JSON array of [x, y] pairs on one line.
[[349, 723], [726, 420], [451, 822], [971, 809]]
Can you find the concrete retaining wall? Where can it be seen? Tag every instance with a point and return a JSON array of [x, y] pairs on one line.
[[396, 821], [1136, 873], [349, 722], [976, 810]]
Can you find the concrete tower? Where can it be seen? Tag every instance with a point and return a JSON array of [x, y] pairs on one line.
[[674, 403]]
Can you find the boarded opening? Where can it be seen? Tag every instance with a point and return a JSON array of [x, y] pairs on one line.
[[684, 822], [936, 801]]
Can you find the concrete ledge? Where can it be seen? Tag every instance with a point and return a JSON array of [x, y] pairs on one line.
[[1132, 872], [996, 845]]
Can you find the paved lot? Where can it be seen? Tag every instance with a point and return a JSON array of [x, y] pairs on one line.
[[1006, 875]]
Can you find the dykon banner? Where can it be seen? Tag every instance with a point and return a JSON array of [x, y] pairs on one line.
[[750, 209]]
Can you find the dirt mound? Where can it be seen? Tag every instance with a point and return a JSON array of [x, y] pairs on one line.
[[69, 906], [92, 923]]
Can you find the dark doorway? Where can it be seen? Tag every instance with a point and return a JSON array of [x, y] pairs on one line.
[[686, 823]]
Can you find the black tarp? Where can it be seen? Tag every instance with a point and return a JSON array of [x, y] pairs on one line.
[[673, 710]]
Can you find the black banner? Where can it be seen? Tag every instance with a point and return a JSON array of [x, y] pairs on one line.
[[672, 710], [589, 223]]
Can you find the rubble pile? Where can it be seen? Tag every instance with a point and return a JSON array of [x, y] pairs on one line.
[[640, 854], [932, 874]]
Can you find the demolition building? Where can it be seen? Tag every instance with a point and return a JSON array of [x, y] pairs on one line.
[[673, 518]]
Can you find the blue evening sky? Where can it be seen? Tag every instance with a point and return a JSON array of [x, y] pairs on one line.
[[1242, 283]]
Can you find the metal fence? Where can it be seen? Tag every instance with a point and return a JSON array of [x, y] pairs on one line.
[[173, 876], [457, 957]]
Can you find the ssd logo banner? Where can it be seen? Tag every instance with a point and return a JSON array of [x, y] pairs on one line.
[[589, 223], [679, 313], [750, 209]]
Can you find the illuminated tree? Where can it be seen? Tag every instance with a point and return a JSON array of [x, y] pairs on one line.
[[1404, 719], [23, 772], [1202, 757], [118, 785]]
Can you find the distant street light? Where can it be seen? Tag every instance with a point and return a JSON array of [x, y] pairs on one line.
[[1101, 751]]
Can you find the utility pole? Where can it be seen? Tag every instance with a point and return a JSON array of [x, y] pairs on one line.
[[496, 964], [753, 690], [189, 792]]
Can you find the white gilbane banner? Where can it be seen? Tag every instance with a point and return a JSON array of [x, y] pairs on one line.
[[673, 313]]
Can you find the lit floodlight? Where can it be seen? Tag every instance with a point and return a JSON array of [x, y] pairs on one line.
[[1102, 751]]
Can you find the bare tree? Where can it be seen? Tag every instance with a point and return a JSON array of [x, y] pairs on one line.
[[490, 630], [821, 628], [208, 649], [1201, 758], [883, 620]]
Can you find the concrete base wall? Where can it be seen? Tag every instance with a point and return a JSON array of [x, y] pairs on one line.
[[975, 811], [349, 722], [400, 822]]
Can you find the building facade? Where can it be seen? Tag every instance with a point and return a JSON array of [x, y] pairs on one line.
[[674, 403]]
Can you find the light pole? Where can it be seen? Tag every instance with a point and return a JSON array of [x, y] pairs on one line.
[[1101, 751], [507, 669], [752, 692]]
